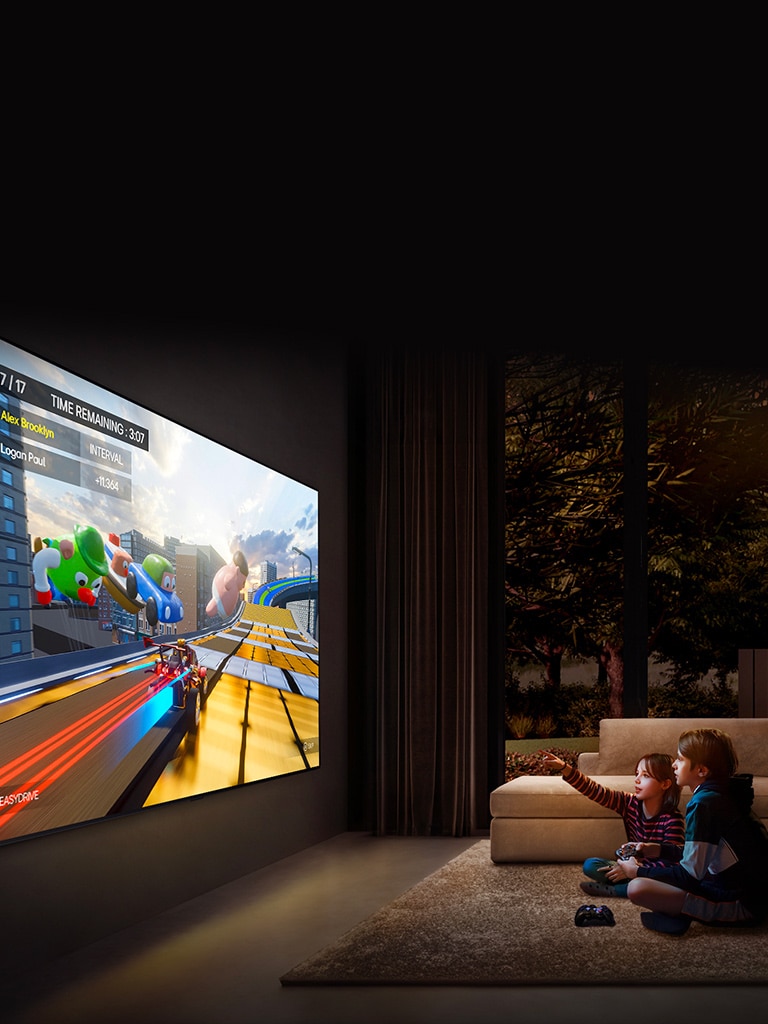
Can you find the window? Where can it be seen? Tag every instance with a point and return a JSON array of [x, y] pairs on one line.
[[11, 554], [13, 577], [8, 502], [15, 624], [601, 460], [10, 526]]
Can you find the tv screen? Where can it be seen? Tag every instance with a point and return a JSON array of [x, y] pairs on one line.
[[159, 607]]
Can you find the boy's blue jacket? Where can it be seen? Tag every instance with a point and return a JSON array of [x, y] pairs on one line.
[[725, 856]]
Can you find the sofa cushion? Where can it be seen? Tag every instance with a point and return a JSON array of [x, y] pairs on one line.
[[624, 740], [554, 840], [550, 796]]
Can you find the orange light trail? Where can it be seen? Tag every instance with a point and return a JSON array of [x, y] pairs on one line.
[[111, 716]]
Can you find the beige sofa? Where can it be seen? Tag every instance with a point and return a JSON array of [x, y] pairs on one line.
[[542, 818]]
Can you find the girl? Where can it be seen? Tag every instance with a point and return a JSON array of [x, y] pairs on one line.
[[722, 876], [650, 815]]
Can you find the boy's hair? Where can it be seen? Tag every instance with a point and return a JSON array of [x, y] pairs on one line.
[[659, 767], [712, 748]]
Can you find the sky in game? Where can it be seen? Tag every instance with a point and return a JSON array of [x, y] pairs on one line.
[[185, 486]]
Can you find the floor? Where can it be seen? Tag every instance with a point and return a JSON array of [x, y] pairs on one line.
[[218, 959]]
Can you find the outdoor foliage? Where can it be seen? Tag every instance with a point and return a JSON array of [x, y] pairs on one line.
[[686, 699], [531, 764], [706, 535], [571, 710], [576, 708], [564, 511]]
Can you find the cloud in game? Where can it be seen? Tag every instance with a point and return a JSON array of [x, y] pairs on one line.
[[308, 521], [271, 546]]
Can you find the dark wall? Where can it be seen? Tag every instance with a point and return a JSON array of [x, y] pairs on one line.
[[278, 395]]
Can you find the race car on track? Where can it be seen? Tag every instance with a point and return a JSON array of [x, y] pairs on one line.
[[177, 666]]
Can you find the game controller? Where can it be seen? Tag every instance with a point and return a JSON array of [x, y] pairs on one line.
[[627, 850], [588, 915]]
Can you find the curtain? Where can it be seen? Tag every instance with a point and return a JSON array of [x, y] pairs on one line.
[[429, 497]]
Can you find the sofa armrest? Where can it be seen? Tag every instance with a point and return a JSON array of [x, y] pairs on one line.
[[589, 761]]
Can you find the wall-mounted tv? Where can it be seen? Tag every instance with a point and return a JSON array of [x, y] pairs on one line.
[[159, 607]]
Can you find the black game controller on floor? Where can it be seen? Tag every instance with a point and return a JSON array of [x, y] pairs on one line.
[[588, 915]]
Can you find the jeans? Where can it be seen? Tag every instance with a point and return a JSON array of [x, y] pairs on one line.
[[591, 870]]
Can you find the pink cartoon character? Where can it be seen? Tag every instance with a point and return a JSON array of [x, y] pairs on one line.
[[226, 587]]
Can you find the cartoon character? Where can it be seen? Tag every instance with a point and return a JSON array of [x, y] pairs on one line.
[[116, 581], [120, 559], [71, 566], [226, 587], [154, 583]]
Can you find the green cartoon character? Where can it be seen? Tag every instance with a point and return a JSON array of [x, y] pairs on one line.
[[70, 567]]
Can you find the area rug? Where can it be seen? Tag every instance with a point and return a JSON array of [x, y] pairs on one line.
[[474, 922]]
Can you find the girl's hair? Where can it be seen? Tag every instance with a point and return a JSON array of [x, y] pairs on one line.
[[659, 767], [711, 748]]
